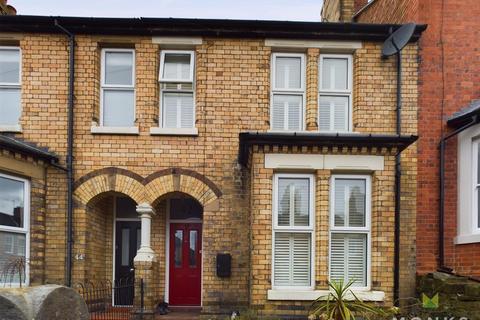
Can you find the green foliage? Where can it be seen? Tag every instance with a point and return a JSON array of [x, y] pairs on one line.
[[339, 305]]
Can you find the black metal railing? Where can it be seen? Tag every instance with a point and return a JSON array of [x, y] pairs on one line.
[[112, 301]]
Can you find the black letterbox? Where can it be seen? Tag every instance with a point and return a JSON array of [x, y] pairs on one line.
[[224, 265]]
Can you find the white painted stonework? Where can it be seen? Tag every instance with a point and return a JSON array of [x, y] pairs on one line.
[[311, 295], [316, 162]]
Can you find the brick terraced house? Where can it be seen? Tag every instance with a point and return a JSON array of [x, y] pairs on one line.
[[448, 221], [226, 163]]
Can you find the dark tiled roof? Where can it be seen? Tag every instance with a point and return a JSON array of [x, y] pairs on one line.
[[464, 115], [19, 145]]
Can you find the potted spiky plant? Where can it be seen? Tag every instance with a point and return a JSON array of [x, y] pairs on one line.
[[341, 303]]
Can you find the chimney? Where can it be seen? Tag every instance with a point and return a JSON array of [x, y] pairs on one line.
[[6, 9], [341, 10]]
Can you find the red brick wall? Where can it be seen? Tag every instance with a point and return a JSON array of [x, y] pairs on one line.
[[449, 80]]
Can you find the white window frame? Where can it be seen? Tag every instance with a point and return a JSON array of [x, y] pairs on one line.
[[191, 80], [353, 230], [26, 225], [13, 85], [282, 91], [299, 229], [467, 203], [336, 93], [475, 186], [119, 87]]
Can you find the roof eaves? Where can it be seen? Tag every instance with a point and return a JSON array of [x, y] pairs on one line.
[[27, 148]]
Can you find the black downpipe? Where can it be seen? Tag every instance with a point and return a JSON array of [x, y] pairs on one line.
[[441, 213], [71, 87], [398, 176]]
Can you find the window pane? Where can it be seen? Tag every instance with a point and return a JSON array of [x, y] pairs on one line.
[[292, 259], [293, 194], [478, 206], [335, 74], [178, 110], [125, 247], [12, 257], [119, 68], [192, 255], [288, 73], [349, 202], [287, 112], [333, 113], [126, 208], [478, 162], [348, 258], [185, 208], [176, 67], [11, 202], [9, 106], [9, 66], [178, 248], [118, 108]]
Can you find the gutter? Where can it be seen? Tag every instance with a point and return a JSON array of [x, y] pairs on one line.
[[69, 169], [226, 28], [475, 119]]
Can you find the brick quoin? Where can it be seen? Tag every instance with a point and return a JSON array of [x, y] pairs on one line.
[[448, 81]]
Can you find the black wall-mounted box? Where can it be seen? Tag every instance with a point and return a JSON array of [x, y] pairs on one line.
[[224, 265]]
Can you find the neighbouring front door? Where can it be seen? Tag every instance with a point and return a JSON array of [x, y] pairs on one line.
[[185, 264], [127, 242]]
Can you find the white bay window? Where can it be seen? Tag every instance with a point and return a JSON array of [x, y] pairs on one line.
[[293, 231], [118, 88], [177, 102], [288, 92], [335, 93], [10, 88], [350, 230], [14, 229]]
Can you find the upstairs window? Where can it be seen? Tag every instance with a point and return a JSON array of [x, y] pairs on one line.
[[350, 229], [293, 231], [177, 99], [335, 96], [10, 86], [118, 88], [288, 92]]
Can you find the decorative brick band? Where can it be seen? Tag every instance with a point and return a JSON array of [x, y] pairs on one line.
[[146, 189], [184, 172]]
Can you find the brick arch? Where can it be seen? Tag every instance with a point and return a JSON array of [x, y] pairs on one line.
[[107, 180], [147, 189], [181, 180]]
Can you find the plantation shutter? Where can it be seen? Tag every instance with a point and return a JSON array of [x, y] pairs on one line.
[[288, 73], [287, 112], [170, 110], [178, 109], [176, 67], [335, 74], [333, 113], [349, 203], [186, 106], [293, 202], [348, 258], [292, 259]]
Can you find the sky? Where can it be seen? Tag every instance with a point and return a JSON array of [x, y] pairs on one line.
[[299, 10]]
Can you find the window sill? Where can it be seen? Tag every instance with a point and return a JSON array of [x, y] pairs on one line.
[[113, 130], [467, 238], [311, 295], [173, 131], [10, 128]]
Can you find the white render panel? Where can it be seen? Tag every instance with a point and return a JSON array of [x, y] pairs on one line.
[[354, 162], [293, 161]]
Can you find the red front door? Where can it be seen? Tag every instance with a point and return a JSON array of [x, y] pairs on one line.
[[185, 264]]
